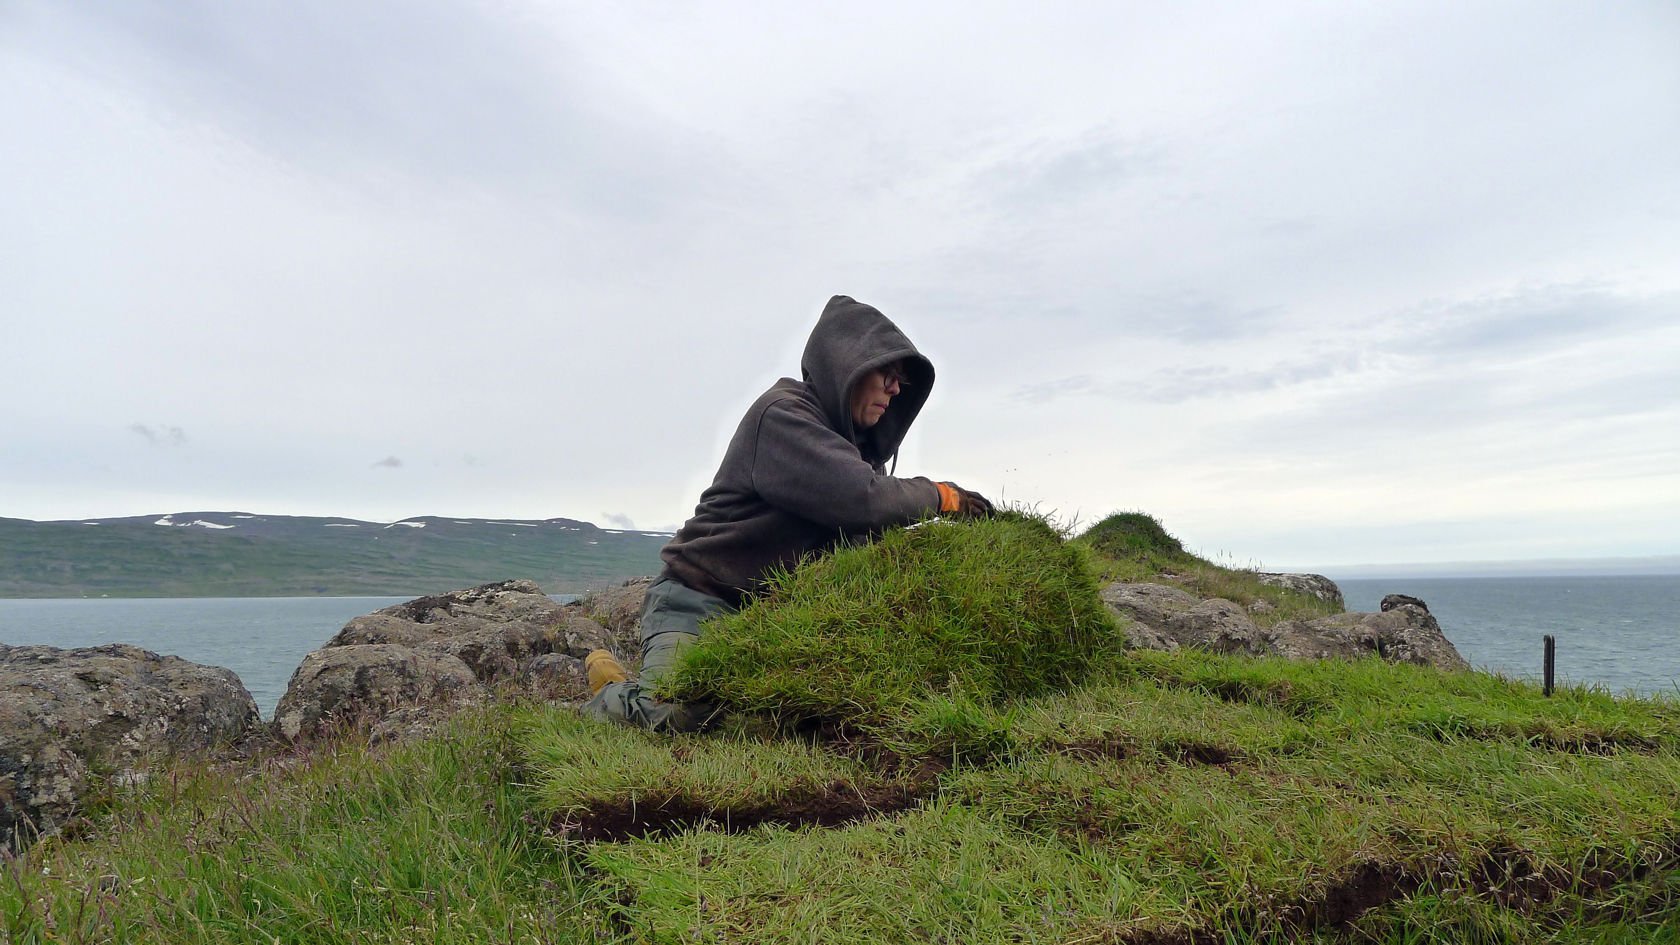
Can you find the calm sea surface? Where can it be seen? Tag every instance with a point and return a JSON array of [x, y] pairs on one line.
[[1622, 633]]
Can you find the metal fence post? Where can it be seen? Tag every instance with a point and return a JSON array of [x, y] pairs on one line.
[[1551, 661]]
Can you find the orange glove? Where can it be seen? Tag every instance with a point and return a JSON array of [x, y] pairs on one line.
[[954, 499]]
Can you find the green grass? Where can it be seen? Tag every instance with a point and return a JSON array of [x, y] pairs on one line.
[[1105, 796], [426, 842]]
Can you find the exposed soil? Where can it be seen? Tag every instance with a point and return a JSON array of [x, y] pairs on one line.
[[1201, 753], [1596, 743], [1111, 747], [1278, 695], [1575, 743], [830, 805], [1119, 748], [1365, 887], [1508, 875]]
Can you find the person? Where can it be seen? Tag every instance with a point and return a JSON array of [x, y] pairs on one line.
[[806, 469]]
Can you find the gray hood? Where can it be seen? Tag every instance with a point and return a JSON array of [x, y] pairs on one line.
[[850, 340]]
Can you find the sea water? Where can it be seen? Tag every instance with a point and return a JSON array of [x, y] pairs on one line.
[[1621, 633]]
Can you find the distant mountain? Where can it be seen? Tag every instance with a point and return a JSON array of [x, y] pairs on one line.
[[240, 554]]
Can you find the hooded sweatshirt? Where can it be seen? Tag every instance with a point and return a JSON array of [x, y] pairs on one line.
[[797, 476]]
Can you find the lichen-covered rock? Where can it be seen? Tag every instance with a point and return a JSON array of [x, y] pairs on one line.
[[576, 635], [1165, 618], [1315, 585], [362, 683], [499, 634], [1391, 601], [112, 709], [556, 676], [1415, 637], [619, 609]]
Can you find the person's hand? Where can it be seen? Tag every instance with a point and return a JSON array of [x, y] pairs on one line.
[[955, 500]]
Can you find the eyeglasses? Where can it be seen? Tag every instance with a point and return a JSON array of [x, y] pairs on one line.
[[893, 374]]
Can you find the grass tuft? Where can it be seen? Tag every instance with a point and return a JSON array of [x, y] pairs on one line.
[[1133, 535]]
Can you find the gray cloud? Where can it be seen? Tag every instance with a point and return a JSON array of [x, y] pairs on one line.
[[389, 462], [618, 520], [1045, 392], [1194, 315], [1057, 172], [1181, 383], [1555, 375], [431, 89], [160, 436], [1531, 318]]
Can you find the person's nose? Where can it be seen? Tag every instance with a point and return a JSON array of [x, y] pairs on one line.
[[890, 385]]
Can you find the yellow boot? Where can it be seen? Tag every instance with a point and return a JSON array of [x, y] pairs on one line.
[[602, 668]]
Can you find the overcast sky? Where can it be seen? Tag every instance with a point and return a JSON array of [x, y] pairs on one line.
[[1315, 284]]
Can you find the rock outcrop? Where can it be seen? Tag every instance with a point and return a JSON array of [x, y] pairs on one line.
[[619, 609], [391, 669], [67, 715], [1313, 585], [1408, 634], [1160, 617], [1165, 618], [360, 684]]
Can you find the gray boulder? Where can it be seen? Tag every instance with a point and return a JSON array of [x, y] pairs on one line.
[[359, 685], [619, 609], [112, 709], [1405, 634], [556, 676], [1315, 585], [1165, 618], [441, 652]]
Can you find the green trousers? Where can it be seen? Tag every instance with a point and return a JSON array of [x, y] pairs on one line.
[[671, 616]]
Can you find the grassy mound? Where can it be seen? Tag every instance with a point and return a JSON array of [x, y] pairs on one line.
[[943, 615], [1133, 535]]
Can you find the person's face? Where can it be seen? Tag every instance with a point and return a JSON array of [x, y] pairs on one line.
[[873, 392]]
